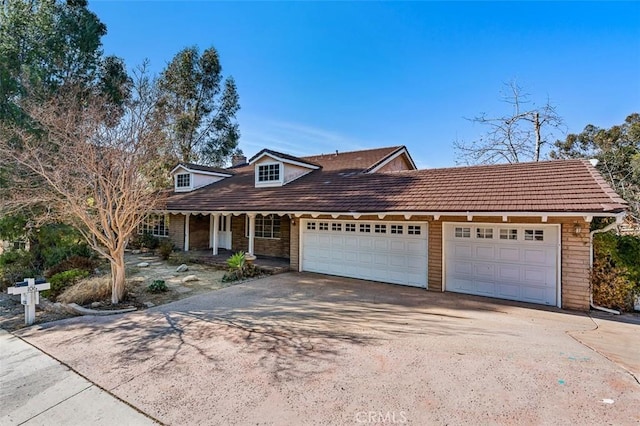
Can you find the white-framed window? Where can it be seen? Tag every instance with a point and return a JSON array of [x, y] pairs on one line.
[[380, 228], [484, 233], [311, 226], [508, 234], [269, 173], [365, 227], [155, 224], [462, 232], [266, 226], [323, 226], [534, 235], [397, 229], [183, 181], [350, 227], [336, 226], [414, 229]]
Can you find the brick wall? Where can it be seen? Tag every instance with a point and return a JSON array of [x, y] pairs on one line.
[[198, 232], [575, 266], [435, 256], [276, 247], [294, 246], [176, 230]]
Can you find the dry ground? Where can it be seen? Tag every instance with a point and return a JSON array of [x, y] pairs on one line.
[[309, 349], [209, 278]]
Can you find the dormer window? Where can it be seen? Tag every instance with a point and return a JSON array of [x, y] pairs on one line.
[[183, 181], [269, 173]]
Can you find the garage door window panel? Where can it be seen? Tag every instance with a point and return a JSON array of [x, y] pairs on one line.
[[484, 233], [462, 232], [534, 235], [509, 234]]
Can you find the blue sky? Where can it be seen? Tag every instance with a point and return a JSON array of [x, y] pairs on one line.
[[315, 77]]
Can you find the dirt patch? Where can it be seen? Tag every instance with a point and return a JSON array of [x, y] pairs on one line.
[[207, 278]]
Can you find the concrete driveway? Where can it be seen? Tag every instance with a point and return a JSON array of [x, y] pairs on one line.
[[310, 349]]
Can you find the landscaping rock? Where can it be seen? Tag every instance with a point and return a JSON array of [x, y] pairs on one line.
[[182, 268], [143, 265], [96, 304], [149, 304], [189, 278], [135, 252]]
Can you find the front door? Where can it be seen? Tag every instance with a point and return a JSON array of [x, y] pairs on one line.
[[224, 232]]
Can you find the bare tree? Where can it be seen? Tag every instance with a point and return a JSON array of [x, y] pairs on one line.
[[80, 167], [514, 138]]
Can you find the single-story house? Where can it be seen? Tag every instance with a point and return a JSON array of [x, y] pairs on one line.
[[513, 231]]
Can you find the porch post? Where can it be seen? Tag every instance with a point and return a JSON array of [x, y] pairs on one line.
[[186, 231], [252, 232], [214, 223]]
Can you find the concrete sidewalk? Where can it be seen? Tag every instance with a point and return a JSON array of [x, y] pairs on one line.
[[35, 389]]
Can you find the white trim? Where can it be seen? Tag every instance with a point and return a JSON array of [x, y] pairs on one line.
[[356, 214], [269, 183], [183, 188], [200, 172], [392, 157], [285, 160]]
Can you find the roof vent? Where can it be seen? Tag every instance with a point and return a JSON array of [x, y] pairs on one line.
[[594, 162]]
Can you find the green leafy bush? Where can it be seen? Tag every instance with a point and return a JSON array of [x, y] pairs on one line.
[[240, 269], [63, 280], [16, 265], [146, 240], [74, 262], [165, 249], [615, 276], [157, 286]]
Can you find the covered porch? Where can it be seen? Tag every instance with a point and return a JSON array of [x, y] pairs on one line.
[[274, 265], [257, 234]]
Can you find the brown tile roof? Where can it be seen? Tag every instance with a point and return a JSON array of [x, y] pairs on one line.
[[551, 186], [198, 167], [353, 160], [283, 156]]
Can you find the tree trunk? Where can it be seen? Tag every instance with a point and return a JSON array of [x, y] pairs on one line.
[[536, 125], [117, 276]]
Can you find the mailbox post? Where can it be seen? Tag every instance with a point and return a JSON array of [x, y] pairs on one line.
[[29, 291]]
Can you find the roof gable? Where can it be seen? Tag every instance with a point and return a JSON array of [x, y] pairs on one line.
[[285, 158], [205, 170]]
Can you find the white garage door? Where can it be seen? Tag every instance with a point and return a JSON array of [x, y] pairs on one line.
[[507, 261], [393, 252]]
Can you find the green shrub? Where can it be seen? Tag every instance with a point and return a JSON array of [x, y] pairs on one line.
[[146, 240], [16, 265], [74, 262], [615, 276], [63, 280], [240, 269], [157, 286], [165, 249]]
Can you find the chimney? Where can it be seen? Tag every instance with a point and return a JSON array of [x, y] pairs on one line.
[[238, 160]]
